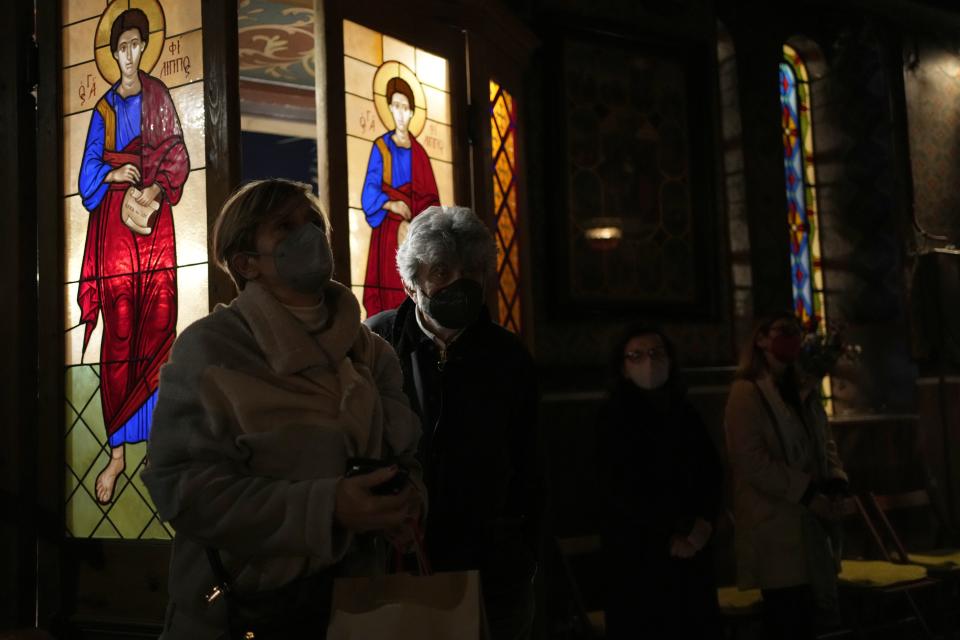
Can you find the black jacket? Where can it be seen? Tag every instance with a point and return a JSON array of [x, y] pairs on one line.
[[659, 471], [659, 468], [478, 450]]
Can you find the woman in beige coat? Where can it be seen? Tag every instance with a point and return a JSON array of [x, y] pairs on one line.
[[786, 477], [260, 406]]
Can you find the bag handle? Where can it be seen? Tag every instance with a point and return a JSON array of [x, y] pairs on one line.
[[419, 548]]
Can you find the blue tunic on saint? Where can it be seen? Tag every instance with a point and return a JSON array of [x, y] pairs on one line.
[[93, 170], [373, 198]]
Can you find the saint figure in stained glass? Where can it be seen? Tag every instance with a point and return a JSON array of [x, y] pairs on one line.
[[399, 184], [135, 164]]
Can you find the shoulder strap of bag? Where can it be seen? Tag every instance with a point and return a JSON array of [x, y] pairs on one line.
[[773, 419], [224, 581]]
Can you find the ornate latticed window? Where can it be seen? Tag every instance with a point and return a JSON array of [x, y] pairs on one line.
[[503, 151], [135, 242], [800, 181]]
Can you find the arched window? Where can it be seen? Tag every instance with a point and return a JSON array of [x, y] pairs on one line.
[[801, 187]]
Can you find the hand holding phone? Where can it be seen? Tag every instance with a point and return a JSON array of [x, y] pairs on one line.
[[358, 508], [364, 466]]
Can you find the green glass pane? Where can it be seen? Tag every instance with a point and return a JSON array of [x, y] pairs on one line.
[[83, 514], [93, 416], [156, 531], [106, 530], [130, 513], [70, 484], [82, 382], [135, 453], [82, 448], [69, 418]]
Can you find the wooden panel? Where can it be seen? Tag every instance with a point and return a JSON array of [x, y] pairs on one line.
[[17, 369], [222, 99]]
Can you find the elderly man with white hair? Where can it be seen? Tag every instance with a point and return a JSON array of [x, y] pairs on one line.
[[474, 386]]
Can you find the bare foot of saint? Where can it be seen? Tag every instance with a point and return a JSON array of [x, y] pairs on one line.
[[107, 479]]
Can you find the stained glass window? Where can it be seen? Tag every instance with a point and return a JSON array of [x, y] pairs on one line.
[[503, 153], [399, 153], [135, 241], [800, 180]]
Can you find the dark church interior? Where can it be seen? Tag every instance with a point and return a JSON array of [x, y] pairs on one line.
[[704, 218]]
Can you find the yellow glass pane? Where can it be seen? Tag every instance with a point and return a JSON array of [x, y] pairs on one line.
[[494, 87], [357, 291], [514, 259], [400, 51], [71, 309], [505, 227], [192, 295], [77, 40], [75, 236], [497, 197], [504, 173], [190, 216], [443, 172], [508, 284], [510, 148], [82, 87], [362, 43], [438, 104], [77, 10], [358, 77], [431, 70], [182, 17], [181, 60], [362, 119], [358, 153], [190, 109], [74, 136], [359, 245], [501, 117], [189, 103], [74, 337], [437, 140], [512, 201]]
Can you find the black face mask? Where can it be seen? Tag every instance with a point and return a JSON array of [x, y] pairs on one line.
[[456, 305]]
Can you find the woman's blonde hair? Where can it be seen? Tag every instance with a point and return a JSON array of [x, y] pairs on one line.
[[752, 363], [251, 205]]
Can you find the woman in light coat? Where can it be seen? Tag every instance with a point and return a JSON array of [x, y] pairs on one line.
[[787, 475], [260, 406]]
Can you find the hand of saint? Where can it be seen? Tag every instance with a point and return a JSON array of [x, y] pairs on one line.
[[400, 208], [124, 173], [149, 194]]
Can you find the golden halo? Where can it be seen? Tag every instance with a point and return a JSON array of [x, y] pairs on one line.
[[393, 69], [106, 63]]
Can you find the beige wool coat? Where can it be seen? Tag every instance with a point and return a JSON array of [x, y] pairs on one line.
[[254, 422], [772, 465]]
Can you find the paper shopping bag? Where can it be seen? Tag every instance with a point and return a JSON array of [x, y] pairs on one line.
[[442, 606]]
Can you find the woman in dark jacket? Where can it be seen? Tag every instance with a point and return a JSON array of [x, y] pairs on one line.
[[661, 479]]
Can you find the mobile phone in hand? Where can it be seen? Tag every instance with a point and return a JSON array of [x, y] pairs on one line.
[[363, 466]]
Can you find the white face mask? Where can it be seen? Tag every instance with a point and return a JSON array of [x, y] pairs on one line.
[[648, 375]]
